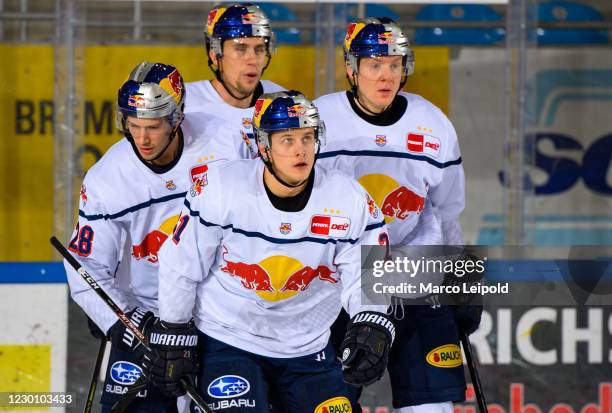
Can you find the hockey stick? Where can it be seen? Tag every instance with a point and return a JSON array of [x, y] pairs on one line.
[[125, 320], [467, 348], [94, 377]]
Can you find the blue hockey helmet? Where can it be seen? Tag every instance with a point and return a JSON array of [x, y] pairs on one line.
[[376, 37], [153, 90], [234, 22], [285, 110]]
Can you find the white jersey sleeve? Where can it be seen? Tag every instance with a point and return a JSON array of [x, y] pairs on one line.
[[96, 243], [348, 257], [186, 261], [449, 195]]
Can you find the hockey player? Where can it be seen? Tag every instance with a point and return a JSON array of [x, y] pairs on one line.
[[239, 46], [129, 203], [404, 151], [265, 254]]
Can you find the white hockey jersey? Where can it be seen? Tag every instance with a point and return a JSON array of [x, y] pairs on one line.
[[260, 279], [405, 166], [201, 96], [127, 211]]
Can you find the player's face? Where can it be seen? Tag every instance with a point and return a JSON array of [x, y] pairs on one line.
[[150, 136], [292, 153], [242, 64], [378, 81]]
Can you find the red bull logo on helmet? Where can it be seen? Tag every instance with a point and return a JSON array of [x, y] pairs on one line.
[[296, 111], [136, 101], [250, 18], [172, 84], [385, 38], [278, 277], [175, 82], [260, 108], [352, 31], [213, 18]]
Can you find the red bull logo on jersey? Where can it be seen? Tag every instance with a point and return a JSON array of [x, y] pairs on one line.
[[401, 202], [170, 185], [278, 277], [372, 208], [148, 248], [385, 38], [83, 195], [446, 356], [396, 201], [285, 228], [301, 279], [335, 227], [136, 101], [246, 123], [425, 144], [335, 405]]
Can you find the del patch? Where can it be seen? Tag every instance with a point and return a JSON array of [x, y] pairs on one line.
[[334, 227]]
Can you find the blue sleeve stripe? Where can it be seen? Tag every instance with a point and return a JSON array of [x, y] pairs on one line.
[[389, 154], [32, 272], [134, 208], [254, 234], [376, 225]]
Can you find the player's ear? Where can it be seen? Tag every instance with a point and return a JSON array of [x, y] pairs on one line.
[[349, 69], [213, 57], [262, 152]]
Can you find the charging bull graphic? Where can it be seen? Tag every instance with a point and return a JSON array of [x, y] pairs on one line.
[[396, 201], [401, 202], [152, 242], [278, 277]]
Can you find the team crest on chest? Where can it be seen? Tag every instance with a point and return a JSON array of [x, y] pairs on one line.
[[170, 185], [246, 123], [381, 140], [285, 228]]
